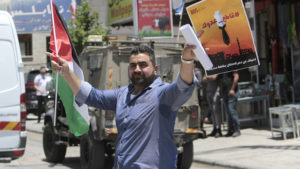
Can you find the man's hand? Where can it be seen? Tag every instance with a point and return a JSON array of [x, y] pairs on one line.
[[42, 92], [234, 84], [60, 65], [231, 92], [187, 53], [38, 89], [186, 70]]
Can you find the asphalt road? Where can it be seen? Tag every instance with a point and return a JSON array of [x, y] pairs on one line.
[[34, 157]]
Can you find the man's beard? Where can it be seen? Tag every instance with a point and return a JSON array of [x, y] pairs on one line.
[[142, 80]]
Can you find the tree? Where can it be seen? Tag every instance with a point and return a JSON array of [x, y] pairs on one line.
[[86, 23]]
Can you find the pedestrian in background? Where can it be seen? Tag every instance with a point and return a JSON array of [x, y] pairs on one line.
[[40, 84], [213, 100], [146, 109], [229, 91], [205, 114], [200, 91]]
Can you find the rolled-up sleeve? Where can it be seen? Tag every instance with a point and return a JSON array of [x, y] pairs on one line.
[[103, 99], [182, 85], [83, 93], [177, 93]]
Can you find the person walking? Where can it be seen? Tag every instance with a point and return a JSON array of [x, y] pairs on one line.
[[200, 92], [146, 109], [40, 84], [213, 100], [229, 91]]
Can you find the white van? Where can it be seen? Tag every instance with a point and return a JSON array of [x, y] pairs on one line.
[[12, 91]]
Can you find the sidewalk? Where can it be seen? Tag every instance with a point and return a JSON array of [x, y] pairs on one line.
[[254, 149]]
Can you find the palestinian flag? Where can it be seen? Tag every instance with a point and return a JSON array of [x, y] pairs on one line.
[[77, 117]]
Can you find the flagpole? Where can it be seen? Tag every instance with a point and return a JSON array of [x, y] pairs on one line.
[[179, 25], [180, 20], [56, 84]]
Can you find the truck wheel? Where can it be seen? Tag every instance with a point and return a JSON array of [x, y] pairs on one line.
[[92, 153], [185, 159], [54, 152]]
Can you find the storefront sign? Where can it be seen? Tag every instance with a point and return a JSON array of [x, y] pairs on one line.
[[119, 11], [35, 15], [154, 18]]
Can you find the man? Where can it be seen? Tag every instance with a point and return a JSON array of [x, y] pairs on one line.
[[145, 109], [198, 75], [229, 91], [213, 100], [40, 84]]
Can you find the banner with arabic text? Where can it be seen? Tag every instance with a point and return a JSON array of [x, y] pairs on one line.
[[35, 16], [227, 35]]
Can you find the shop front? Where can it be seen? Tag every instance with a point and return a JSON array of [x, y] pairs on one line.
[[278, 25]]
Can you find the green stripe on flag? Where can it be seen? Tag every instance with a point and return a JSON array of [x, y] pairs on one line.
[[76, 122]]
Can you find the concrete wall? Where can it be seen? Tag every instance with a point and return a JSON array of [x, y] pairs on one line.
[[100, 7], [38, 58]]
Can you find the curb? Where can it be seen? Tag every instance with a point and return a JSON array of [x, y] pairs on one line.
[[217, 163], [222, 164]]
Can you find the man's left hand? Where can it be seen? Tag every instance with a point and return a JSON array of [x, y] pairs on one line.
[[231, 92], [188, 53]]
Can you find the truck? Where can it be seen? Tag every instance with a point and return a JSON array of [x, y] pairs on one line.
[[106, 67]]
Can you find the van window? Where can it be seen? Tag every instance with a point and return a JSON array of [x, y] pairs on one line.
[[8, 67]]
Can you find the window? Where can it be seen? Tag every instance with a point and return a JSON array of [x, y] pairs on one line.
[[25, 41]]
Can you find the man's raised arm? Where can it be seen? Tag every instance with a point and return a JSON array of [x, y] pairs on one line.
[[187, 64]]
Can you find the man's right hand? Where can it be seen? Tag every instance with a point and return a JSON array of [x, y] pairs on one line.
[[60, 65]]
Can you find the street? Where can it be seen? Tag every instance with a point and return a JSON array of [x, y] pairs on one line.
[[34, 157]]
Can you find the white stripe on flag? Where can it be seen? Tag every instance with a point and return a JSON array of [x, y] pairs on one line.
[[83, 109]]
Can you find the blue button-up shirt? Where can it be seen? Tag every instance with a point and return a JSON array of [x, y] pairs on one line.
[[145, 121]]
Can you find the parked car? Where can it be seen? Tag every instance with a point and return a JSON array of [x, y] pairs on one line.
[[31, 97], [12, 92]]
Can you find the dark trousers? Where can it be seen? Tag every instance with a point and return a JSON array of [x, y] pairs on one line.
[[41, 106], [213, 99]]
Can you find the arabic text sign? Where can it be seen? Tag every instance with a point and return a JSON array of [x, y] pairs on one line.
[[154, 18], [227, 34], [35, 16]]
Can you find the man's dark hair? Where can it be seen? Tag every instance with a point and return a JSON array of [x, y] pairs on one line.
[[144, 49]]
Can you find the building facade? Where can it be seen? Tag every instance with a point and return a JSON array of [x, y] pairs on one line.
[[32, 20], [275, 26]]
